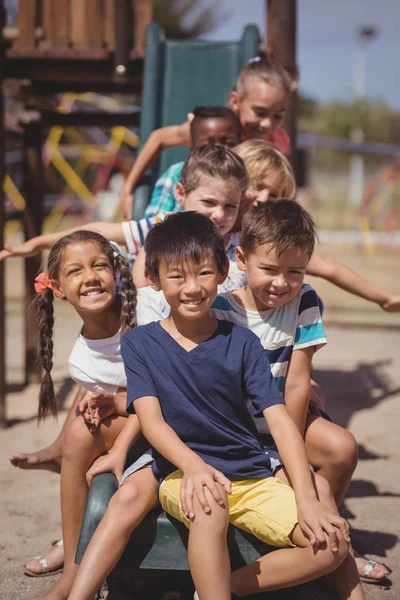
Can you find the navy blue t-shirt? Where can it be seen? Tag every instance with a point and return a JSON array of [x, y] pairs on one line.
[[203, 393]]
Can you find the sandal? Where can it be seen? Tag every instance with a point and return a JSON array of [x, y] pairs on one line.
[[369, 567], [46, 571]]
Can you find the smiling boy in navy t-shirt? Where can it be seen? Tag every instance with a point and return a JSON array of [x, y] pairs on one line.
[[189, 377]]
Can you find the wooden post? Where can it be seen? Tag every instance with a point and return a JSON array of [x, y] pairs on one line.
[[281, 45], [33, 218], [27, 10], [143, 16], [2, 223], [123, 36]]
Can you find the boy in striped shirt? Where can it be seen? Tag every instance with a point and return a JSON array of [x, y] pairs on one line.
[[277, 241]]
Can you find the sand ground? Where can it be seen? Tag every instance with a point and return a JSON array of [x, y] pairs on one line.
[[359, 369]]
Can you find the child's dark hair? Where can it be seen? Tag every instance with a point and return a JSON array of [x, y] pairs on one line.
[[215, 112], [213, 161], [264, 69], [43, 305], [281, 223], [183, 237]]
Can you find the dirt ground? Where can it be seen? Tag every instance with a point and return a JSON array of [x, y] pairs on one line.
[[359, 369]]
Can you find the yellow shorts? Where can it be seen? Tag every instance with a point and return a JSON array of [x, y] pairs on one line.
[[265, 508]]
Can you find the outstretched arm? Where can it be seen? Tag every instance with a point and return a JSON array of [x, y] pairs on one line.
[[112, 231], [345, 278], [166, 137]]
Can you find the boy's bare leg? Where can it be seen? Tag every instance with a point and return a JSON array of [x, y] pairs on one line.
[[80, 449], [208, 552], [346, 578], [333, 450], [127, 508], [48, 458], [290, 566]]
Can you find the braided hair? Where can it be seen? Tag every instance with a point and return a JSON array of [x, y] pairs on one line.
[[43, 307]]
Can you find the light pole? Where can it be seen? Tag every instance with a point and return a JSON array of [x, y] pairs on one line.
[[356, 185]]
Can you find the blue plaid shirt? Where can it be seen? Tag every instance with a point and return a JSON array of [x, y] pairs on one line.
[[163, 199]]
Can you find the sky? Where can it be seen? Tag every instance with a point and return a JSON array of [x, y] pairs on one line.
[[326, 41]]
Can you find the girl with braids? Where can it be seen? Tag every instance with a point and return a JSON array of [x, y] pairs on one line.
[[86, 270]]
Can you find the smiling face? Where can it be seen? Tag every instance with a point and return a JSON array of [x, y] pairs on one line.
[[86, 278], [190, 288], [214, 198], [261, 109], [272, 279], [220, 131]]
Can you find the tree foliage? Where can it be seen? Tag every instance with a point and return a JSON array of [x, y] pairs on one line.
[[339, 118], [172, 14]]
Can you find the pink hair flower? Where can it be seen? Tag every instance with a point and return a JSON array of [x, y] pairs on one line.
[[42, 283]]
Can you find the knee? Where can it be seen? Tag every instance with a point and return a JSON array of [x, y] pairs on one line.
[[343, 451], [128, 497], [216, 521], [76, 438], [343, 549]]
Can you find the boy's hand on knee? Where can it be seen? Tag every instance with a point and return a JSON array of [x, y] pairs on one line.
[[321, 525], [95, 407], [196, 477]]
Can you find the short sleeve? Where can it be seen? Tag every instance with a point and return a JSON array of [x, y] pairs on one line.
[[151, 306], [260, 386], [163, 199], [310, 330], [135, 232], [139, 380]]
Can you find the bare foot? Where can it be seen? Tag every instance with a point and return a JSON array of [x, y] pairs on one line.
[[48, 459], [50, 564]]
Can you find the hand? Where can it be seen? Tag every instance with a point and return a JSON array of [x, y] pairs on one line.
[[321, 525], [26, 249], [112, 462], [95, 407], [392, 304], [126, 203], [197, 476]]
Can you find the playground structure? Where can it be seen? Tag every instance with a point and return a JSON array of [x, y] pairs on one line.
[[379, 209]]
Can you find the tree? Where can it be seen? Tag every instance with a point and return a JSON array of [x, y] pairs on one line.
[[171, 14]]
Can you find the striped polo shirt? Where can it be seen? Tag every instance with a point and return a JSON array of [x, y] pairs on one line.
[[281, 330]]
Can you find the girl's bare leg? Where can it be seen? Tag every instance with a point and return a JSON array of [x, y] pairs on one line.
[[80, 449], [208, 552], [127, 508]]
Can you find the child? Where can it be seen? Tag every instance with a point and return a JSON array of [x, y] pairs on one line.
[[191, 403], [271, 176], [260, 97], [88, 272], [210, 125]]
